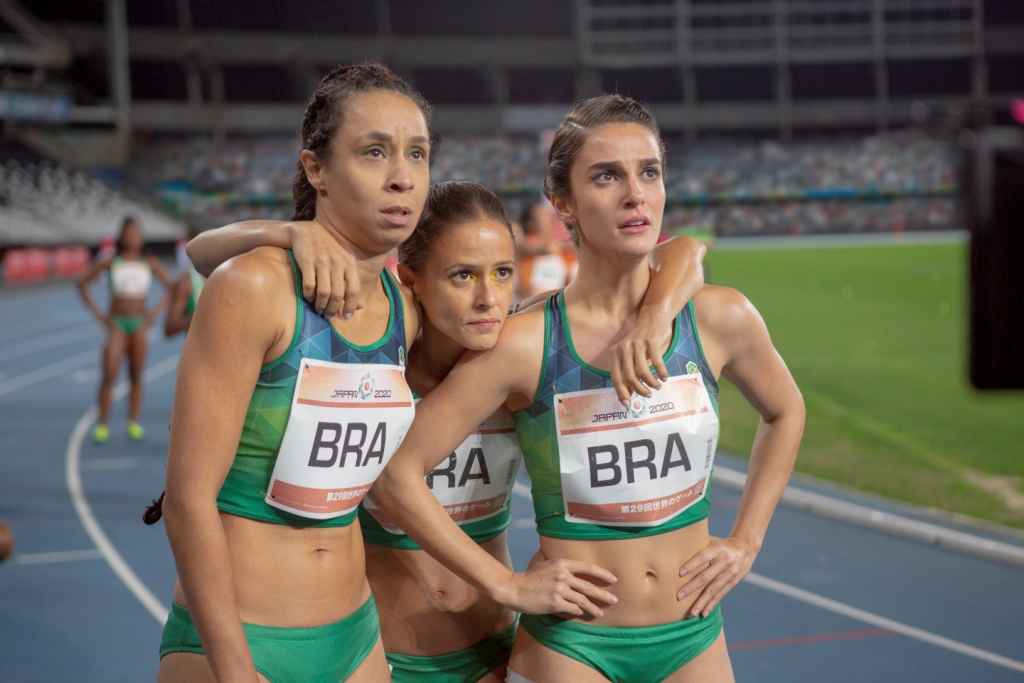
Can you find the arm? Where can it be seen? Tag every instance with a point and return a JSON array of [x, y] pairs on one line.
[[737, 342], [443, 419], [176, 320], [233, 331], [330, 275], [677, 275], [83, 289]]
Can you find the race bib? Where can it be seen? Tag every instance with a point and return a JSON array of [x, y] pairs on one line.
[[548, 271], [131, 279], [474, 483], [636, 466], [346, 422]]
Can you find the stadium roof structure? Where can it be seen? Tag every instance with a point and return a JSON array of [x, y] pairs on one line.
[[766, 65]]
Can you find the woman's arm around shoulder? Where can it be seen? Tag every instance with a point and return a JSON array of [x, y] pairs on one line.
[[677, 275], [737, 345], [330, 274]]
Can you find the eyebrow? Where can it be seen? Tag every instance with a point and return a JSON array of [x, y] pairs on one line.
[[618, 164], [474, 266], [378, 136]]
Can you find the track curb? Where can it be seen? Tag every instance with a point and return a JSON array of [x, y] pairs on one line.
[[886, 522]]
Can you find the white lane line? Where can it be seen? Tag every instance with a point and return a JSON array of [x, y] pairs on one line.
[[882, 622], [47, 372], [62, 556], [49, 341], [521, 489], [85, 515], [886, 522]]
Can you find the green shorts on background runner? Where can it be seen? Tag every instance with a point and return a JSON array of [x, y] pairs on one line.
[[645, 654], [464, 666], [321, 654], [128, 325]]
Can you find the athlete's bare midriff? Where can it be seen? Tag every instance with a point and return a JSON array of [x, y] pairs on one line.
[[427, 610], [647, 570], [127, 308], [293, 577]]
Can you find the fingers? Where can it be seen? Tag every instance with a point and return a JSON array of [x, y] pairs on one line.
[[588, 569], [642, 367], [591, 591], [308, 272], [659, 365], [697, 561], [714, 593], [323, 288], [580, 601], [622, 390], [353, 290]]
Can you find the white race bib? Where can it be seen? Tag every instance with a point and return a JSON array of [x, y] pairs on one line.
[[548, 271], [639, 466], [346, 422], [477, 479], [130, 279]]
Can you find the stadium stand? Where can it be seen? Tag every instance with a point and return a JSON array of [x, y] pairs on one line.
[[45, 204], [901, 181]]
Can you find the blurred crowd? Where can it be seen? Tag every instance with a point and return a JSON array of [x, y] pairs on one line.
[[46, 204], [900, 181]]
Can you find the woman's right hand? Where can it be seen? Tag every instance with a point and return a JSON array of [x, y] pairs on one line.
[[330, 275], [554, 587]]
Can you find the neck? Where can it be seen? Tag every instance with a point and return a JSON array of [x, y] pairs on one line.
[[369, 262], [433, 356], [614, 283]]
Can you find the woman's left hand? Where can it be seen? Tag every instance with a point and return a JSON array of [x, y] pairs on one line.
[[728, 560], [634, 355]]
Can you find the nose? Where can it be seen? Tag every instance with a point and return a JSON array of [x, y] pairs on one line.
[[400, 177], [635, 197], [486, 295]]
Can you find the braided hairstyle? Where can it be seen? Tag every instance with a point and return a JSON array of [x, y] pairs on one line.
[[324, 116], [576, 129], [449, 203]]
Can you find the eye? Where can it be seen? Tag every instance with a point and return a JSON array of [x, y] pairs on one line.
[[418, 154], [651, 173], [503, 273], [604, 177], [463, 276], [375, 152]]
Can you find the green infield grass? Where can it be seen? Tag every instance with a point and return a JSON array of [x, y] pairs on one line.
[[876, 338]]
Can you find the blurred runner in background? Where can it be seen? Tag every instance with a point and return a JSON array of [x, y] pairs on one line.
[[546, 259]]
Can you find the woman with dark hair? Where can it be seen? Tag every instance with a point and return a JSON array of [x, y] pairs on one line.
[[623, 485], [283, 419], [130, 274]]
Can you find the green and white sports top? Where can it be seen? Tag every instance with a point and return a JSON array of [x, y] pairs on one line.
[[602, 471], [130, 279], [474, 485], [316, 348]]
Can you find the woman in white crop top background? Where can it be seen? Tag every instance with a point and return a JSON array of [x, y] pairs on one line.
[[130, 274]]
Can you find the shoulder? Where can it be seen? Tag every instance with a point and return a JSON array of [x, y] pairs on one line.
[[258, 274], [725, 317], [521, 336]]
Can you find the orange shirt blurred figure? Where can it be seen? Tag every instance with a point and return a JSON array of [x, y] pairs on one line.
[[546, 257]]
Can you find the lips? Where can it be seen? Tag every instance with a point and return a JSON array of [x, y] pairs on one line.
[[485, 324], [397, 215], [635, 224]]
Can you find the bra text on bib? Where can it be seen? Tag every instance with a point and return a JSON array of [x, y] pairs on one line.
[[635, 466], [346, 422]]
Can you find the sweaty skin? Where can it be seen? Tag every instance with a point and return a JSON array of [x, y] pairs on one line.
[[616, 178]]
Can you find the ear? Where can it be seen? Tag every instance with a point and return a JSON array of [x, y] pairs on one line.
[[406, 276], [311, 163], [565, 209]]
